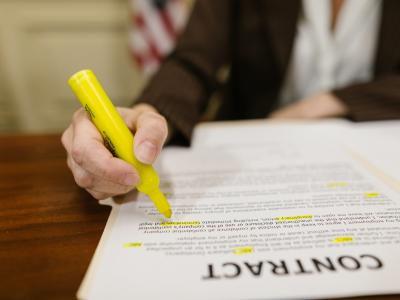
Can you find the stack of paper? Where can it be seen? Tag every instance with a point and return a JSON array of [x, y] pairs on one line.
[[261, 210]]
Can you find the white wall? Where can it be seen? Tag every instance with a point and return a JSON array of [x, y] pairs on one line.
[[43, 42]]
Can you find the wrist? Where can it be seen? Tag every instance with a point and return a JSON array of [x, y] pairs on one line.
[[323, 105]]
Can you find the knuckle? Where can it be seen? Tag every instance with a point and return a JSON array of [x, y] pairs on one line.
[[157, 127], [84, 180], [162, 126], [103, 170], [112, 175], [107, 172], [77, 154], [160, 119], [143, 108]]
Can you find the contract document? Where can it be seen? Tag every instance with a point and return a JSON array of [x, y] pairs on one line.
[[261, 210]]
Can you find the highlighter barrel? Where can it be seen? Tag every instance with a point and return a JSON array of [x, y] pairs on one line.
[[117, 136]]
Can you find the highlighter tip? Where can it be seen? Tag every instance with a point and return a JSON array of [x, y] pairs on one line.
[[161, 203], [167, 213]]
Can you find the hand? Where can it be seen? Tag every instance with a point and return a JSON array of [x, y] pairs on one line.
[[323, 105], [93, 166]]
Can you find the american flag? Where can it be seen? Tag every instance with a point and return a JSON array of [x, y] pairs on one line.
[[156, 25]]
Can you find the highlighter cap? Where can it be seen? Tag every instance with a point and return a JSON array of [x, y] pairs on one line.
[[77, 78]]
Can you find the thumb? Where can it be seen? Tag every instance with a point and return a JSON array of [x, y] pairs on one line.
[[151, 131]]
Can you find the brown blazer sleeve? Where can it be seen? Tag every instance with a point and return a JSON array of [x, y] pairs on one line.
[[375, 100], [181, 88], [380, 98]]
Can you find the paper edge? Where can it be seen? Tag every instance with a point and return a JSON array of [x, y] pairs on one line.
[[252, 122], [84, 288], [200, 127]]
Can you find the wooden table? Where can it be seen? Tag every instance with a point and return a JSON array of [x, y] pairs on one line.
[[49, 228]]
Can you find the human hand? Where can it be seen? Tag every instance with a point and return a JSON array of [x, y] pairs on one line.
[[323, 105], [93, 166]]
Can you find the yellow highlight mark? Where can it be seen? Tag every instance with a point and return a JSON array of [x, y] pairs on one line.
[[129, 245], [342, 239], [181, 223], [337, 184], [243, 250], [293, 218], [371, 194]]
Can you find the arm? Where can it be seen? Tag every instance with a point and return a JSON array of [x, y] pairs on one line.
[[181, 88], [318, 106], [375, 100]]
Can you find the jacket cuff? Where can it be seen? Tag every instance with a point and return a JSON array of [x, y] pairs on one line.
[[375, 100], [176, 95]]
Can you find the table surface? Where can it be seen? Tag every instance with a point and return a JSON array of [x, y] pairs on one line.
[[49, 228]]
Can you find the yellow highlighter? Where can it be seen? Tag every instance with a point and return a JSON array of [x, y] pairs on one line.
[[117, 136]]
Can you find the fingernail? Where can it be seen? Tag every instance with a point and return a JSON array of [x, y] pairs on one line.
[[146, 152], [131, 179]]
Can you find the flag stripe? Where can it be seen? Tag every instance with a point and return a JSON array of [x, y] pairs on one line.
[[169, 26], [155, 29], [152, 47], [178, 13]]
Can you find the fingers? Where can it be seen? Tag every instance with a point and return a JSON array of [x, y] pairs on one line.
[[89, 152], [150, 128], [85, 180], [151, 133], [322, 105], [99, 184], [99, 195], [92, 165]]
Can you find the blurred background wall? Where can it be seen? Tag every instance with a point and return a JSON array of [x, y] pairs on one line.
[[43, 42]]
